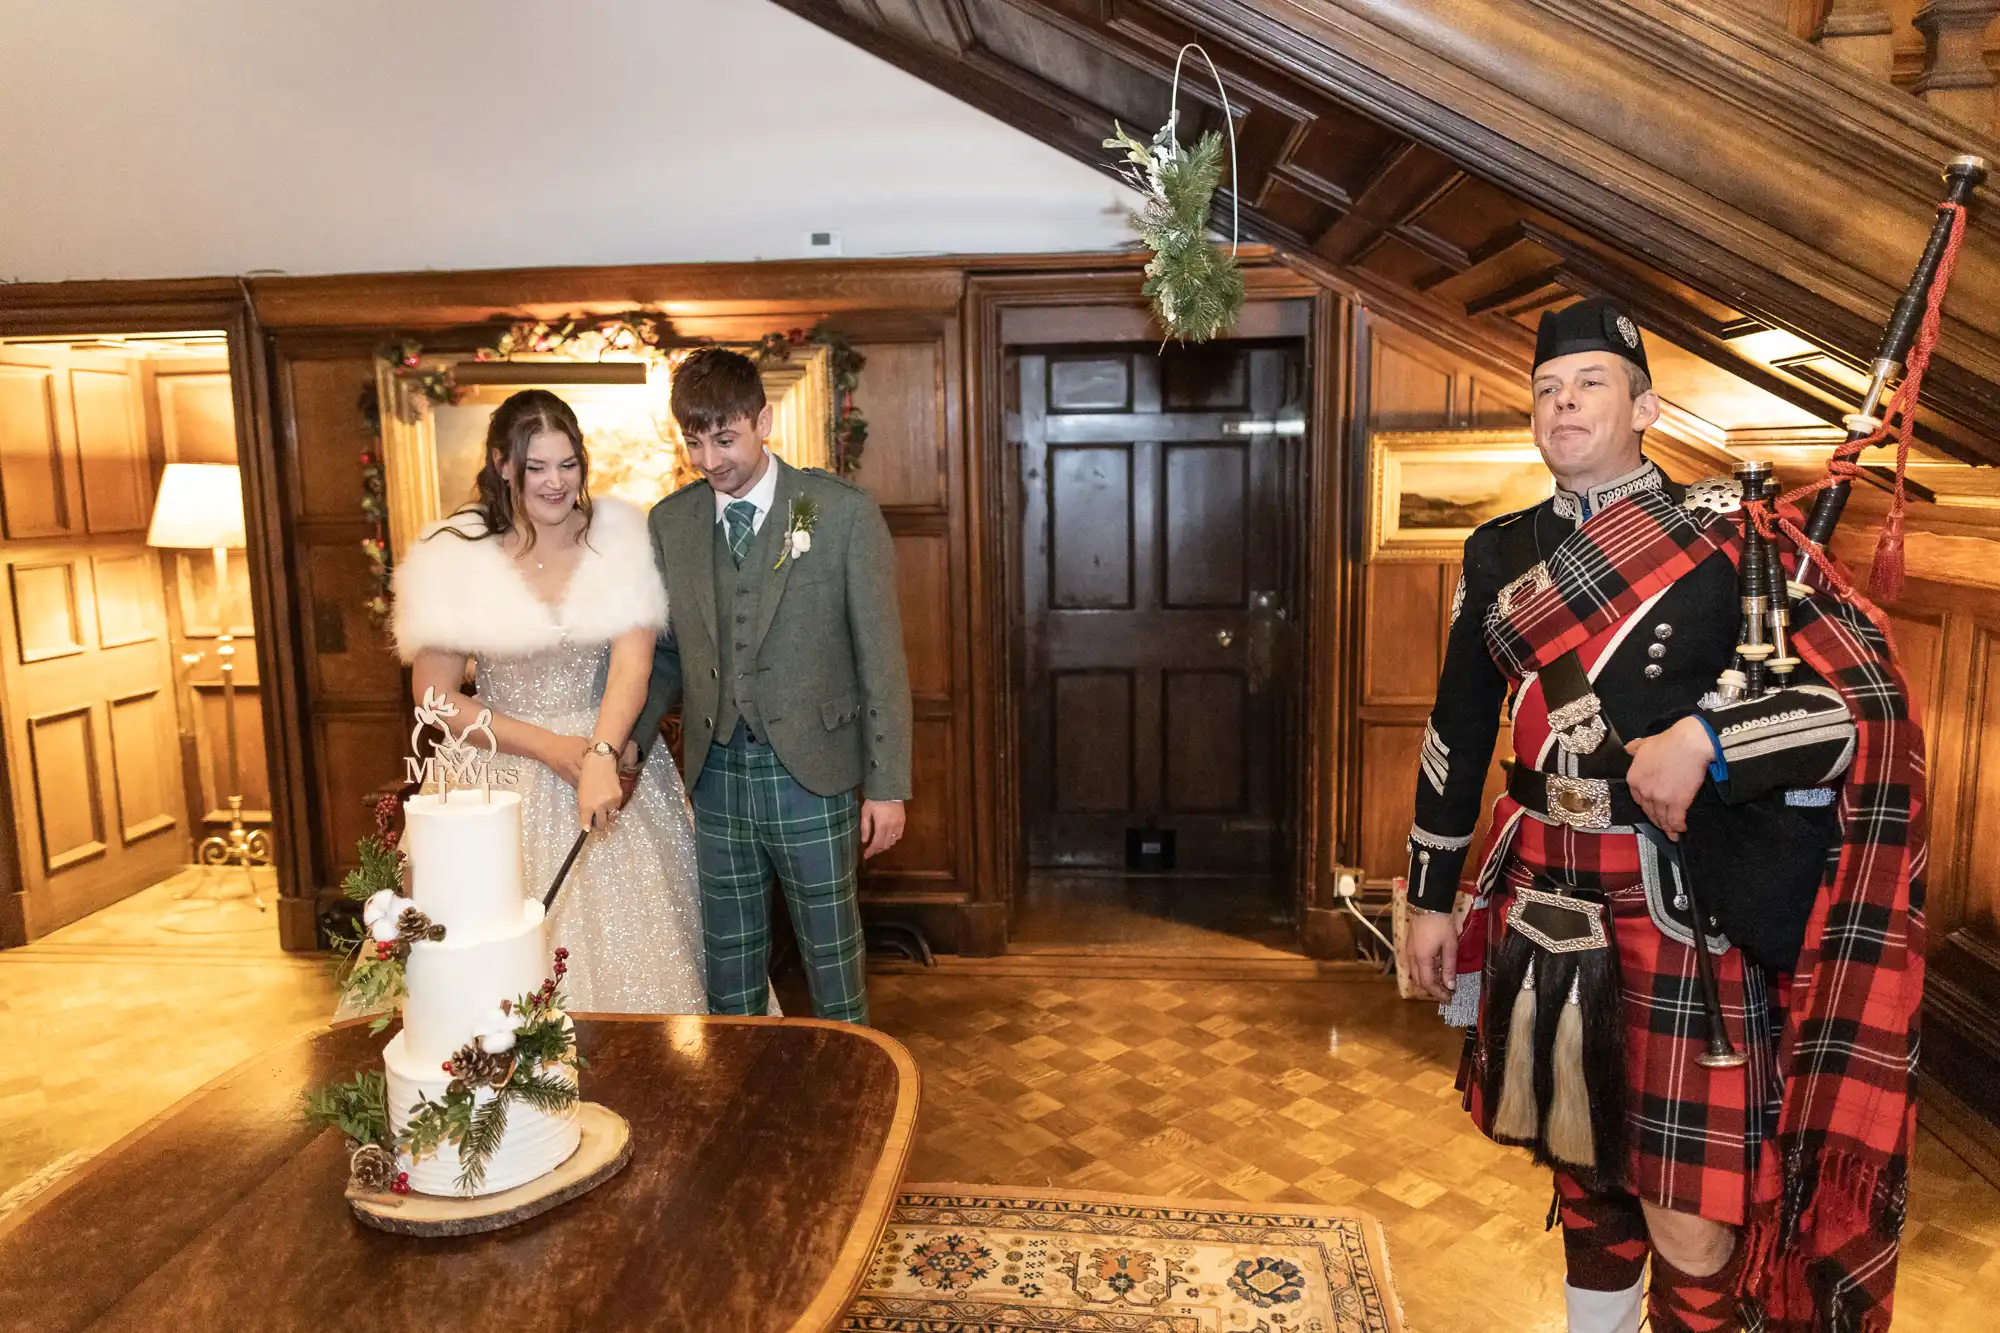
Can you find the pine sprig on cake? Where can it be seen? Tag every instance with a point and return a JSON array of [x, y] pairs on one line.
[[358, 1108]]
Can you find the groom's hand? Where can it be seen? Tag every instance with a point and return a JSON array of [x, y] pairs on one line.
[[881, 827]]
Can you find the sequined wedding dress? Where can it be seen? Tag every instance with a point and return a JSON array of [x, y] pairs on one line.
[[630, 910]]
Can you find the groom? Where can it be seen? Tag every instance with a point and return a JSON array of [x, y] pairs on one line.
[[785, 648]]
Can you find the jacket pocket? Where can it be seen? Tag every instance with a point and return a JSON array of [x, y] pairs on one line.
[[838, 712]]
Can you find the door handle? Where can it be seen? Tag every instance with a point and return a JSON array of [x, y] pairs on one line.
[[1224, 638]]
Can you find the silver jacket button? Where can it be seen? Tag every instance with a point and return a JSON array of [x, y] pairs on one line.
[[1656, 651], [1663, 630], [1654, 671]]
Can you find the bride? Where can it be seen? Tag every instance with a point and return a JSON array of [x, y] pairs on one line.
[[553, 600]]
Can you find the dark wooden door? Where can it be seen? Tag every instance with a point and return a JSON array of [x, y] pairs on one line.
[[1154, 554]]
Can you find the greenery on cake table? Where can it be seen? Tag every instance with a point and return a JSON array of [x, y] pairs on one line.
[[1196, 286], [649, 337], [368, 968]]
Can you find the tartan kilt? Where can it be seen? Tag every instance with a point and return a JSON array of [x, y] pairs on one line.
[[1695, 1133]]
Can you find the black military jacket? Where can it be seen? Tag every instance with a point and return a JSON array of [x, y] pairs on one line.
[[1658, 673]]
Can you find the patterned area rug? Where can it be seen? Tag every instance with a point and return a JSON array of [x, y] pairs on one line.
[[965, 1259]]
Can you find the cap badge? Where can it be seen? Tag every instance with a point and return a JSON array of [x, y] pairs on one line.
[[1628, 331]]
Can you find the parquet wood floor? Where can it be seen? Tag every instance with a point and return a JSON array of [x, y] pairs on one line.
[[1253, 1087], [1330, 1091]]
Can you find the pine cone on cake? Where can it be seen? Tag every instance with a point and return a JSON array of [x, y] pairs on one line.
[[411, 927], [371, 1168], [471, 1067]]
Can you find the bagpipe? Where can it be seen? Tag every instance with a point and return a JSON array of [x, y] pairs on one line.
[[1771, 857]]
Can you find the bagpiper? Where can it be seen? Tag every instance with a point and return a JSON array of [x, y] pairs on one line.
[[1685, 769]]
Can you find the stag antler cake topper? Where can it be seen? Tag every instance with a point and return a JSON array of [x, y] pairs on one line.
[[456, 760]]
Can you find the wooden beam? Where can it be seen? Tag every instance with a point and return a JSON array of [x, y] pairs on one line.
[[1410, 179]]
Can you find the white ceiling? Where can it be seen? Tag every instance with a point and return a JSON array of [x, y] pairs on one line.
[[142, 139]]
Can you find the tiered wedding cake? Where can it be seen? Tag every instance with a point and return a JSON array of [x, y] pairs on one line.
[[465, 875]]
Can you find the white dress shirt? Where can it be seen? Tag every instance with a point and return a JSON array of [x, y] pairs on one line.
[[761, 495]]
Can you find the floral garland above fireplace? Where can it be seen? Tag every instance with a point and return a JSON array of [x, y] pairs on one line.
[[637, 335]]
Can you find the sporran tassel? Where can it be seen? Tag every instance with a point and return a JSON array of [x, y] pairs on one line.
[[1516, 1120], [1570, 1140]]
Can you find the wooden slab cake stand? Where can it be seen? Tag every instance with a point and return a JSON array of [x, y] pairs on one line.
[[601, 1153]]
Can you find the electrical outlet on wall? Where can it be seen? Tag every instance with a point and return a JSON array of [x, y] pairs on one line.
[[822, 243]]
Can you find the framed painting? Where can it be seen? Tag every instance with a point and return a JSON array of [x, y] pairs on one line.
[[1430, 489], [432, 451]]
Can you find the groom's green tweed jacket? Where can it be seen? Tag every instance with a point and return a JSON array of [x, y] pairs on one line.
[[824, 636]]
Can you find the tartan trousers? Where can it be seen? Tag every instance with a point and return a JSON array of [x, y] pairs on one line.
[[752, 819]]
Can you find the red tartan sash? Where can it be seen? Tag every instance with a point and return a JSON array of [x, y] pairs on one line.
[[1827, 1217]]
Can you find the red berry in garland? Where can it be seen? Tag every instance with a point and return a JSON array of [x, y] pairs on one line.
[[447, 1066], [562, 953]]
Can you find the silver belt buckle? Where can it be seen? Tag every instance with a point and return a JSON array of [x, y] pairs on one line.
[[1580, 803]]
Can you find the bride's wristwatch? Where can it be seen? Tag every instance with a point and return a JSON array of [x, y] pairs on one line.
[[605, 748]]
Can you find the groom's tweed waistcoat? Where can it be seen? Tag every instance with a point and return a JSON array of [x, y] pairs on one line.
[[823, 668], [737, 595]]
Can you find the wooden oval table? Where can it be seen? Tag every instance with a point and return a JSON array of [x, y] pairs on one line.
[[766, 1156]]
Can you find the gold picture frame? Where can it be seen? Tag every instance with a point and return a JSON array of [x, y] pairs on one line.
[[432, 451], [1429, 489]]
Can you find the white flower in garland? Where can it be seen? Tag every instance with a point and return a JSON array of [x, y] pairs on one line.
[[383, 914], [495, 1031]]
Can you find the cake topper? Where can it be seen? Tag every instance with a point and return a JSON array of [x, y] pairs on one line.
[[456, 760]]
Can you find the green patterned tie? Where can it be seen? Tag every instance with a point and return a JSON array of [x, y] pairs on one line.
[[741, 516]]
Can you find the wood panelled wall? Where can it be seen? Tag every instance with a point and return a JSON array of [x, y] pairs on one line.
[[1948, 637], [356, 727], [1406, 383]]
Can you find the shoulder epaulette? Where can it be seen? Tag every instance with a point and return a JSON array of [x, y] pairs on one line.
[[833, 477], [1495, 524]]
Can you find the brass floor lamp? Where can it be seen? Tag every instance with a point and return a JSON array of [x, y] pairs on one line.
[[200, 506]]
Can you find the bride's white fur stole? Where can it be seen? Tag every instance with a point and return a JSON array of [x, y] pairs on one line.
[[468, 597]]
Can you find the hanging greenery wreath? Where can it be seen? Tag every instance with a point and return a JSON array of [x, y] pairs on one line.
[[1196, 288], [649, 337]]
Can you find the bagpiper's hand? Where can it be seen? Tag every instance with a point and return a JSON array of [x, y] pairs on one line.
[[1667, 771], [1430, 952]]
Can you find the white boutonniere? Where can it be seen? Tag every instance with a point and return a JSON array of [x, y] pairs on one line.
[[798, 531]]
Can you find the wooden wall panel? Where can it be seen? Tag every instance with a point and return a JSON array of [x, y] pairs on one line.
[[34, 493], [1978, 858], [902, 397], [1206, 545], [128, 598], [1090, 527], [1404, 647], [211, 722], [347, 657], [197, 416], [69, 793], [352, 754], [47, 619], [328, 435], [1204, 764], [923, 586], [1389, 759], [1091, 713], [142, 739], [111, 453]]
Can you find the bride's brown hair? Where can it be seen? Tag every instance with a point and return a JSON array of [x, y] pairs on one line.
[[518, 421]]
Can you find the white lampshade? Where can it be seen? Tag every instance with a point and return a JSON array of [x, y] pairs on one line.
[[200, 506]]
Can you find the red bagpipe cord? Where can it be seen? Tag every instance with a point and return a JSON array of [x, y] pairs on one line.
[[1897, 422]]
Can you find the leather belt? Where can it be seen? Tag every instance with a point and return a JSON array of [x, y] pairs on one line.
[[1589, 804]]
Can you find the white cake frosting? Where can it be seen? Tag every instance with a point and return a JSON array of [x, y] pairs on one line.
[[465, 875]]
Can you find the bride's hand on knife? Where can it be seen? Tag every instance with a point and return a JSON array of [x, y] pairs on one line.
[[599, 794]]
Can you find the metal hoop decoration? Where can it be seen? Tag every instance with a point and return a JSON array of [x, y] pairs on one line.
[[1228, 123]]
